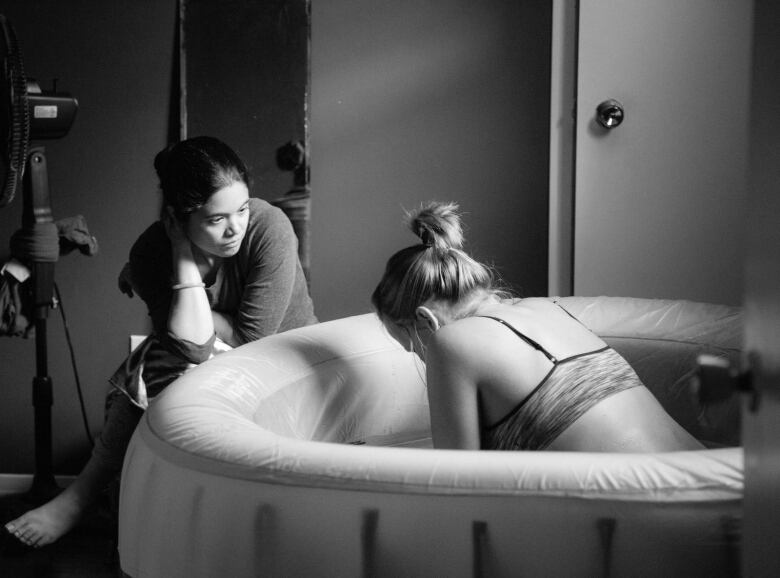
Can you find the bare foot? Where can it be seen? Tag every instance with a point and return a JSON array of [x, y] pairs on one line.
[[47, 523]]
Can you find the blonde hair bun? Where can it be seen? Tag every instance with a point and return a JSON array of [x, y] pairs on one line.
[[437, 225]]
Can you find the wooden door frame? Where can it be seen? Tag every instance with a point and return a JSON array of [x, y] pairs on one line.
[[760, 555], [563, 134]]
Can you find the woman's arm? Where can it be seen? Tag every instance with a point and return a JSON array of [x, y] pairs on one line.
[[152, 272], [223, 326], [452, 393], [271, 273], [189, 318]]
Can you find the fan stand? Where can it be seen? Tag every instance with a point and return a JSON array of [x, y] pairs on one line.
[[37, 209]]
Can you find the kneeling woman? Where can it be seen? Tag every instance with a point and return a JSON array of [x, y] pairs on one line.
[[510, 374], [219, 269]]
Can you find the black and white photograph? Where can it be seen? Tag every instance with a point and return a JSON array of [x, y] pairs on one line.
[[422, 288]]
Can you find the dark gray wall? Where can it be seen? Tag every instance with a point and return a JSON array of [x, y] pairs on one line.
[[410, 101], [414, 101], [115, 58]]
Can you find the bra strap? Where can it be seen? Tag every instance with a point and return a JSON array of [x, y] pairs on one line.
[[569, 313], [528, 340]]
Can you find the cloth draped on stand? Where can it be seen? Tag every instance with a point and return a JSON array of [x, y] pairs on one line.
[[37, 244]]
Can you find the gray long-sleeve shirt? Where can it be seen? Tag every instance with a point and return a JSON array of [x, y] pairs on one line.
[[262, 287]]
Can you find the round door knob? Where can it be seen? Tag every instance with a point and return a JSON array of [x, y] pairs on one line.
[[609, 113]]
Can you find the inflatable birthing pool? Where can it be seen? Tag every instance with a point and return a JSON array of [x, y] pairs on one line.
[[308, 454]]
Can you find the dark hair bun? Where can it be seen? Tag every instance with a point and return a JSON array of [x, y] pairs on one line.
[[161, 162], [437, 225]]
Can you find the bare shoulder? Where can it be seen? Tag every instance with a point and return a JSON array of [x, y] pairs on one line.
[[460, 351], [541, 304], [453, 338], [541, 309], [462, 337], [543, 320]]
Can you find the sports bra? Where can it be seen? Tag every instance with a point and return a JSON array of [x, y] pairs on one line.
[[573, 386]]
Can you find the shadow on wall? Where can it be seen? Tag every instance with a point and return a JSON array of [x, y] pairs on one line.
[[116, 60], [412, 103]]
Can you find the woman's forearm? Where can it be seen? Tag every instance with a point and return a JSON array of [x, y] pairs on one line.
[[223, 325], [190, 315]]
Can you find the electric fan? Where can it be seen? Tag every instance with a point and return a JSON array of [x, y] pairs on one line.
[[29, 114], [14, 115]]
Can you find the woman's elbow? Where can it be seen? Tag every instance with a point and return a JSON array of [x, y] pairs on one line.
[[241, 337], [200, 356], [191, 352]]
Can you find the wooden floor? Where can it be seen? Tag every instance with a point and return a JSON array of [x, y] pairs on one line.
[[88, 551]]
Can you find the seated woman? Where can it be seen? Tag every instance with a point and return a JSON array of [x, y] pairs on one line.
[[510, 374], [218, 269]]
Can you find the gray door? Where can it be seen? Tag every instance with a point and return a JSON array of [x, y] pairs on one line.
[[660, 199]]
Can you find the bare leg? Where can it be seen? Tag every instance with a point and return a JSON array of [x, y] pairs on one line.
[[52, 520]]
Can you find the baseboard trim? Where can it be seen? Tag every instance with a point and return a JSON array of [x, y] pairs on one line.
[[19, 483]]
